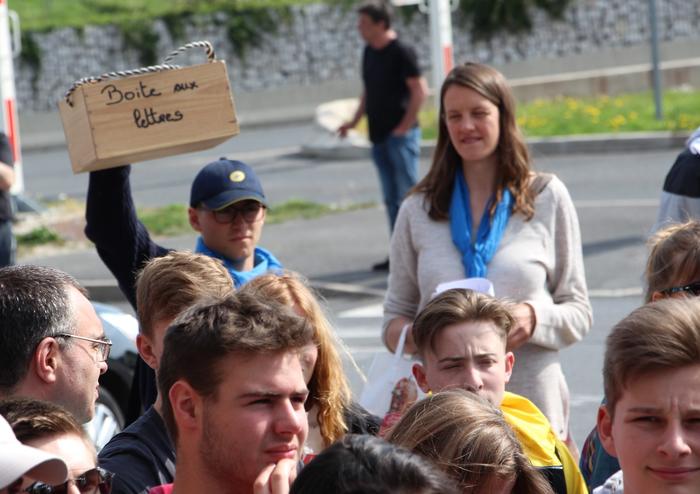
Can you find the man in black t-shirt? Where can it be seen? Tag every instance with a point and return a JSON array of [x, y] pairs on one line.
[[393, 93], [7, 178]]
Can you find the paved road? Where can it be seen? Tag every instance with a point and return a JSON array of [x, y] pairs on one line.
[[616, 197]]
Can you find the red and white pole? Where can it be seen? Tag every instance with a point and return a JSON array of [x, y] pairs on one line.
[[10, 123]]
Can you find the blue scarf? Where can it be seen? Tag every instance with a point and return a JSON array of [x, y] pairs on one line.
[[478, 253], [263, 262]]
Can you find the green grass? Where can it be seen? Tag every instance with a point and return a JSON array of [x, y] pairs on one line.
[[166, 220], [41, 15], [632, 112], [172, 219], [38, 236]]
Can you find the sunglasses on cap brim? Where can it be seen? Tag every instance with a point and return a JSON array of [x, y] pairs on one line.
[[94, 481], [692, 288]]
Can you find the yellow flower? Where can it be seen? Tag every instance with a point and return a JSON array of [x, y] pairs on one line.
[[592, 111], [617, 121], [571, 104]]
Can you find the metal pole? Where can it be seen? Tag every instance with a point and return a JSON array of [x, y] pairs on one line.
[[441, 43], [655, 60]]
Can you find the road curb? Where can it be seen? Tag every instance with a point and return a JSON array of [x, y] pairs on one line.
[[109, 291], [103, 290], [575, 144]]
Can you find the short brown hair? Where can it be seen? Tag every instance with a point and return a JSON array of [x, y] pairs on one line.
[[170, 284], [468, 438], [674, 257], [35, 419], [207, 333], [456, 306], [663, 335]]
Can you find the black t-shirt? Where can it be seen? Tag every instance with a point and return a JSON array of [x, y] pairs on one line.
[[5, 198], [141, 456], [384, 73]]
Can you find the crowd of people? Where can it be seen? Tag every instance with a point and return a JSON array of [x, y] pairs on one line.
[[240, 386]]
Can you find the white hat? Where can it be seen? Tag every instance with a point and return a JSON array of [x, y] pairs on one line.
[[17, 460], [476, 284]]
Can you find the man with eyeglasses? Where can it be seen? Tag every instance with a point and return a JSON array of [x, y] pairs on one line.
[[227, 209], [52, 344]]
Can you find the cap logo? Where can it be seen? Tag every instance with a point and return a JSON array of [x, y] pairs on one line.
[[237, 176]]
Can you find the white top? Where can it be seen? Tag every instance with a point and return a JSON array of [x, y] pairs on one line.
[[614, 485], [538, 261]]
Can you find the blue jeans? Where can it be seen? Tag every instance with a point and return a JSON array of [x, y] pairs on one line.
[[396, 159], [7, 244]]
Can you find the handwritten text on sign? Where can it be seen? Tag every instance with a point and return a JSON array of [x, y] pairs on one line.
[[144, 118]]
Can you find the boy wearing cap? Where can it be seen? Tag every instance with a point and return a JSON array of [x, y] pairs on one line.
[[227, 209]]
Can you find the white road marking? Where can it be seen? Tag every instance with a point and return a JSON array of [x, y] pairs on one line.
[[372, 310], [632, 291], [581, 399], [617, 203]]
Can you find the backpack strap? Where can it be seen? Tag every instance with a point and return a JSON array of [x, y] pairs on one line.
[[540, 181]]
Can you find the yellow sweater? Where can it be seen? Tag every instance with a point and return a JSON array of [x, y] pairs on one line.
[[540, 444]]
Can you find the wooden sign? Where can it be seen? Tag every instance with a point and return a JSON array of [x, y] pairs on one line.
[[119, 121]]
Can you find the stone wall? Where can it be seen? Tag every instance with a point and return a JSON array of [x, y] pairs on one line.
[[320, 44]]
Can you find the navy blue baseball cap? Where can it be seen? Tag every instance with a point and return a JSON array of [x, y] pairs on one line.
[[225, 182]]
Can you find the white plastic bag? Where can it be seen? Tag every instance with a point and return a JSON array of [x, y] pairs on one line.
[[384, 377]]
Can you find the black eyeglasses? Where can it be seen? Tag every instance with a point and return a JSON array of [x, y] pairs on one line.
[[95, 481], [101, 347], [692, 288], [251, 212]]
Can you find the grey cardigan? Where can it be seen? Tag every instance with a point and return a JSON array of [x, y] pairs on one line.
[[538, 261]]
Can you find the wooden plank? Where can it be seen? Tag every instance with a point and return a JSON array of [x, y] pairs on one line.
[[79, 136]]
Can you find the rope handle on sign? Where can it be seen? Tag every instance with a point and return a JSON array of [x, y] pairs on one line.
[[211, 56], [166, 65]]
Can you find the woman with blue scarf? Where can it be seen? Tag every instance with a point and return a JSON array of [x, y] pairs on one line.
[[481, 212]]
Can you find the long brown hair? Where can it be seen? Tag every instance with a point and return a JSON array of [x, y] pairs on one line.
[[328, 389], [469, 439], [513, 156]]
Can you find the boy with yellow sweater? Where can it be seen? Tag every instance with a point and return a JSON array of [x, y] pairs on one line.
[[461, 340]]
